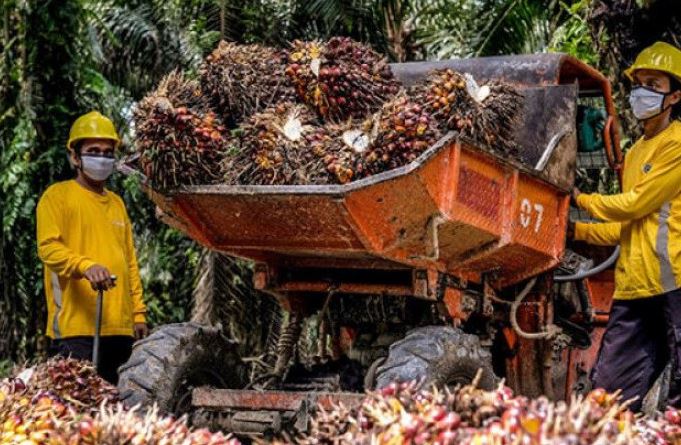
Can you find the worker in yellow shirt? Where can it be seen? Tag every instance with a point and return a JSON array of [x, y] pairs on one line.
[[644, 330], [85, 238]]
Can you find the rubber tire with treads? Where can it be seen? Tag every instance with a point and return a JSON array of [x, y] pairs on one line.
[[437, 355], [165, 366]]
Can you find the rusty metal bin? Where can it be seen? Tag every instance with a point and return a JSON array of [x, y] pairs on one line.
[[458, 209]]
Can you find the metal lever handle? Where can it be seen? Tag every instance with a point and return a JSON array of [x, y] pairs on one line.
[[98, 324]]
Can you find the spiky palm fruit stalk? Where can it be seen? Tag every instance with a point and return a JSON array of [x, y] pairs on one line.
[[498, 116], [282, 145], [42, 411], [340, 78], [485, 114], [400, 132], [54, 395], [73, 380], [116, 425], [179, 138], [242, 80], [402, 414], [34, 418]]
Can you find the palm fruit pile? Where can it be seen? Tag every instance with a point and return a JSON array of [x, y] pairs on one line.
[[74, 381], [340, 78], [485, 114], [64, 402], [282, 145], [320, 112], [180, 139], [400, 132], [116, 425], [402, 414], [242, 80]]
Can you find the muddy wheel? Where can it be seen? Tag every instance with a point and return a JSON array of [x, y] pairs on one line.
[[174, 359], [437, 355]]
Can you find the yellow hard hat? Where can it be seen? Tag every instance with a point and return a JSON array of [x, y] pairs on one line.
[[659, 56], [92, 125]]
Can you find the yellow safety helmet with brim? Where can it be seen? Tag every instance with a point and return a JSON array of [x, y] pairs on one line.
[[659, 56], [92, 125]]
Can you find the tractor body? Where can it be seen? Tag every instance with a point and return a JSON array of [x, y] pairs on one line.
[[449, 240]]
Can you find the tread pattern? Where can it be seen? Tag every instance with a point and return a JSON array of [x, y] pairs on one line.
[[437, 355], [161, 364]]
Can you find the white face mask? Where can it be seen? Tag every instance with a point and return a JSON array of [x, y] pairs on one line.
[[97, 167], [646, 103]]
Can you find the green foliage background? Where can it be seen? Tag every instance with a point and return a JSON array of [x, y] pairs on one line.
[[62, 58]]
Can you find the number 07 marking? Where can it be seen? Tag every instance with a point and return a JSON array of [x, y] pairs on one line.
[[528, 212]]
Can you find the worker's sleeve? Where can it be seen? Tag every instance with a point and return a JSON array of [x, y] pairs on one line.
[[660, 185], [599, 234], [51, 249], [139, 310]]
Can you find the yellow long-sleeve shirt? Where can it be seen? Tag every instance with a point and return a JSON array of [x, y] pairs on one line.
[[645, 219], [78, 228]]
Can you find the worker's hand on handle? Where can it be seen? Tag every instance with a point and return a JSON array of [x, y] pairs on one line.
[[100, 278], [141, 331]]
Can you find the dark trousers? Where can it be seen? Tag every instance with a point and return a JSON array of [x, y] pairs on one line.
[[642, 336], [113, 352]]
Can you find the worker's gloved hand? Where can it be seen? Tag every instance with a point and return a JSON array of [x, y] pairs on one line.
[[141, 330], [99, 277]]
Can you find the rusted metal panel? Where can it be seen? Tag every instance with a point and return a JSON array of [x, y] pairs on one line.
[[534, 69], [549, 112], [291, 221], [539, 217], [395, 212], [350, 288], [245, 399], [600, 290], [457, 208], [234, 399]]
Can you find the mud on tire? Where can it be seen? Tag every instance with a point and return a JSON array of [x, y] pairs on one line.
[[165, 366], [437, 355]]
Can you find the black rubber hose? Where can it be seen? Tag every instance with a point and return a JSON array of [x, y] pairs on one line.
[[590, 272]]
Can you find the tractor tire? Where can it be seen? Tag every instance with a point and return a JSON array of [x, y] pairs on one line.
[[174, 359], [437, 356]]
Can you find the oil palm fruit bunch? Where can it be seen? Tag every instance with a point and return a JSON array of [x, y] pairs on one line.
[[32, 419], [485, 114], [400, 132], [179, 138], [116, 425], [242, 80], [344, 151], [33, 415], [282, 145], [340, 78], [403, 414], [73, 380]]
